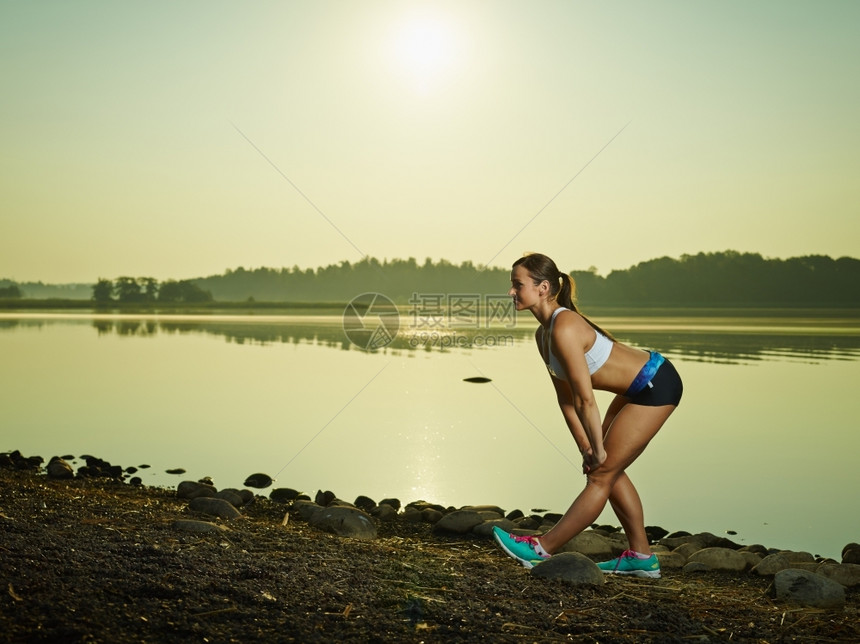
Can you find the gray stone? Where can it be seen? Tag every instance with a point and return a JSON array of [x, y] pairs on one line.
[[591, 544], [306, 509], [851, 555], [570, 567], [364, 503], [772, 564], [324, 498], [215, 507], [283, 494], [458, 522], [798, 556], [384, 512], [528, 523], [808, 589], [57, 468], [431, 515], [411, 515], [232, 497], [752, 558], [696, 566], [671, 560], [686, 550], [846, 574], [485, 529], [193, 489], [494, 509], [757, 549], [200, 527], [702, 540], [719, 559], [344, 522]]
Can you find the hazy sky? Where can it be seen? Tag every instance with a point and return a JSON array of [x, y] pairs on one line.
[[178, 139]]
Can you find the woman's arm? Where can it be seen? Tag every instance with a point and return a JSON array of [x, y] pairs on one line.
[[568, 344], [565, 403]]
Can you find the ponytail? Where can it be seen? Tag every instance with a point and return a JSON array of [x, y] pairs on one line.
[[561, 285]]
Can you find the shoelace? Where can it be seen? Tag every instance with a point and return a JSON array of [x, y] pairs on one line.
[[624, 555], [519, 538], [532, 541]]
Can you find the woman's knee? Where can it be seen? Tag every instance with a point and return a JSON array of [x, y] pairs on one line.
[[603, 479]]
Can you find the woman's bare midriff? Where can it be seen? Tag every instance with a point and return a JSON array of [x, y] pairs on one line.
[[619, 371]]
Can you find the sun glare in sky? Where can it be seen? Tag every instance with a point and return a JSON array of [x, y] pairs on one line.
[[426, 50]]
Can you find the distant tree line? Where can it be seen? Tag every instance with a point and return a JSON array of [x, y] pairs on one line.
[[10, 292], [723, 279], [38, 290], [130, 290], [719, 279]]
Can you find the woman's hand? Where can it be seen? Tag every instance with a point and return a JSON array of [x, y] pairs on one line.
[[591, 460]]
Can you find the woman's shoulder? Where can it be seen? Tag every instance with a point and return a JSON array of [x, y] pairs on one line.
[[568, 322]]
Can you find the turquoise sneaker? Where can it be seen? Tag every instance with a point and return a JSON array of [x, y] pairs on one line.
[[629, 564], [521, 548]]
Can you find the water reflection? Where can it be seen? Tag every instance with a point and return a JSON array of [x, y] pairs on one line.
[[713, 339]]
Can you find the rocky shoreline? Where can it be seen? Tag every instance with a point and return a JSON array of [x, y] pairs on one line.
[[392, 567]]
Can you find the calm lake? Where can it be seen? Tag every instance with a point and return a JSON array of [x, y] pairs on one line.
[[764, 444]]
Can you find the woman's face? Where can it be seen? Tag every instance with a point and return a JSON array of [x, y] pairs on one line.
[[524, 291]]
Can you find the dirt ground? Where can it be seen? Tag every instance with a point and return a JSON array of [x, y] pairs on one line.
[[94, 560]]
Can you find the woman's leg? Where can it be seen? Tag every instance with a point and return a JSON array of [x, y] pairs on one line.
[[627, 506], [631, 430]]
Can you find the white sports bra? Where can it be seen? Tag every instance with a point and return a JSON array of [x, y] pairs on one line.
[[595, 357]]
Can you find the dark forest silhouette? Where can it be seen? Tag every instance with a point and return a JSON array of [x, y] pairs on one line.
[[724, 279], [707, 279]]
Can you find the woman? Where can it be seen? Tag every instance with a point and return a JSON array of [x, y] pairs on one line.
[[581, 357]]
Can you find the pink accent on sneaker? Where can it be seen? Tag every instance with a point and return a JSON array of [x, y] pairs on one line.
[[627, 553], [519, 538], [533, 542]]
